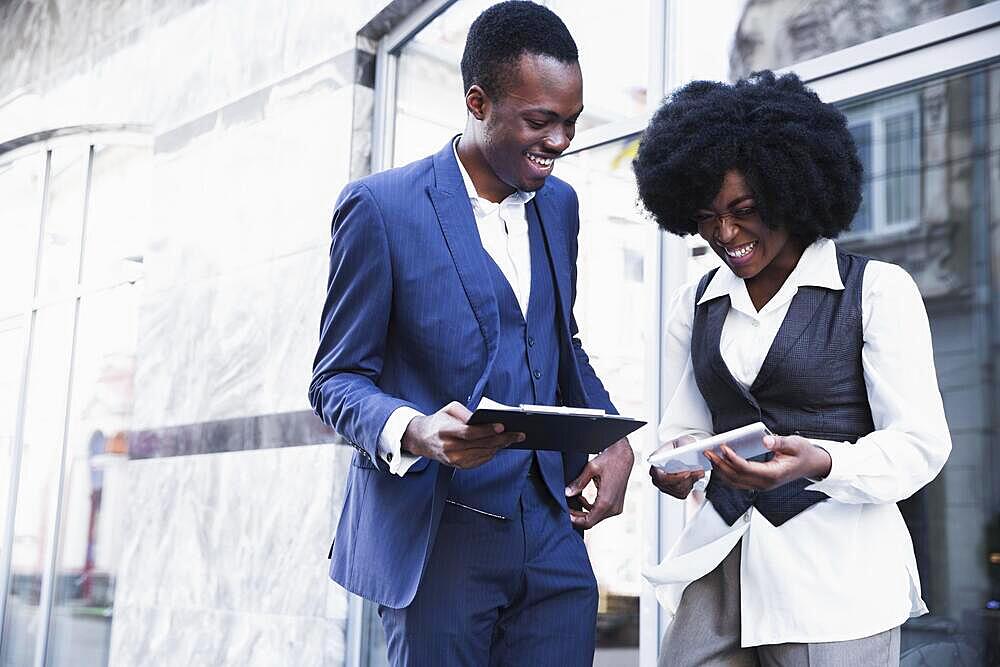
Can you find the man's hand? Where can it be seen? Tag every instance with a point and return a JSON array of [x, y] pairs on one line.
[[609, 471], [676, 484], [794, 458], [446, 438]]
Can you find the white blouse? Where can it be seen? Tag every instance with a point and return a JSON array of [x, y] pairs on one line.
[[844, 568]]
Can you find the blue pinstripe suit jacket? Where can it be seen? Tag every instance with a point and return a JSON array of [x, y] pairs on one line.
[[410, 318]]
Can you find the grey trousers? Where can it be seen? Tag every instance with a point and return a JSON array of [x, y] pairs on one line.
[[706, 633]]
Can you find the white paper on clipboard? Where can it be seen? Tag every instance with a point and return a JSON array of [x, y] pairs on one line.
[[747, 441]]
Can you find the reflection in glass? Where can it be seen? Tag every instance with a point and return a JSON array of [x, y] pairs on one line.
[[60, 258], [118, 215], [37, 487], [20, 213], [11, 361], [887, 134], [430, 104], [100, 417], [932, 188], [729, 39], [617, 288]]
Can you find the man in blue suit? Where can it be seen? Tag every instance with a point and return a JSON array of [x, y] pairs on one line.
[[453, 279]]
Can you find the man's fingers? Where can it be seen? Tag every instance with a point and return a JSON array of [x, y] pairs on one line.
[[476, 432], [458, 411], [577, 486]]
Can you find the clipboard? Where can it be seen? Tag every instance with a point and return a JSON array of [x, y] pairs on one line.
[[557, 429]]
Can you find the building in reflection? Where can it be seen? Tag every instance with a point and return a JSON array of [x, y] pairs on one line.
[[167, 174]]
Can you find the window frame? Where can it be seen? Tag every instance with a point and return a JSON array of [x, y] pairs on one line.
[[39, 146]]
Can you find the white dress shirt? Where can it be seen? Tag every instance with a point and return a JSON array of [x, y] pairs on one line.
[[844, 568], [503, 231]]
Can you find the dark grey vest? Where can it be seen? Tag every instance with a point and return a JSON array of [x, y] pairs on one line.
[[811, 383]]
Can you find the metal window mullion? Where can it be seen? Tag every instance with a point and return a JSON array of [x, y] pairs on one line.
[[671, 259], [55, 523], [17, 446]]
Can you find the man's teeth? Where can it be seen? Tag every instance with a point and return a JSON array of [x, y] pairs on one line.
[[742, 251], [541, 161]]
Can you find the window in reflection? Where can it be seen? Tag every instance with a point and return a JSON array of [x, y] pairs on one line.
[[887, 133]]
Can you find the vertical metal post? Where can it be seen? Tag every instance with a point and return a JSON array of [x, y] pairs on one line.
[[17, 445], [51, 556]]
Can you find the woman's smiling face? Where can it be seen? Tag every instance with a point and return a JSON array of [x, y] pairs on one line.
[[734, 230]]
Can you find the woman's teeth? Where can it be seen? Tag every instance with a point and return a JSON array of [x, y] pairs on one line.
[[741, 251]]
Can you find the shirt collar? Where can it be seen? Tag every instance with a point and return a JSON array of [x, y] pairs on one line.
[[817, 267], [516, 197]]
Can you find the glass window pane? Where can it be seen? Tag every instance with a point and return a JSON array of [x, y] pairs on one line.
[[729, 39], [37, 486], [935, 147], [119, 214], [615, 71], [617, 282], [100, 417], [11, 362], [430, 105], [20, 212], [60, 261]]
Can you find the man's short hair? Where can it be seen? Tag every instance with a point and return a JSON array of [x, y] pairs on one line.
[[505, 31]]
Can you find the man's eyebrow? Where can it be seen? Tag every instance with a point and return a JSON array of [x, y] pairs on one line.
[[550, 113]]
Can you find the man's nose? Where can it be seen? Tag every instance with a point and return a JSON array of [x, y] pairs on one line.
[[558, 140]]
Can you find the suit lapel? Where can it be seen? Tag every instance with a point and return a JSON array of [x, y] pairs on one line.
[[458, 225], [549, 217]]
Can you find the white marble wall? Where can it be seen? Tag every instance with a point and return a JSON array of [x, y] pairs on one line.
[[224, 560]]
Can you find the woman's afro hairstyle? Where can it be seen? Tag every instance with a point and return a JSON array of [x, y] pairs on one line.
[[795, 152]]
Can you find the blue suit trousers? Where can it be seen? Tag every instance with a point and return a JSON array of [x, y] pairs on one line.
[[516, 591]]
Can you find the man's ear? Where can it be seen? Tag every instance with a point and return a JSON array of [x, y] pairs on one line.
[[477, 102]]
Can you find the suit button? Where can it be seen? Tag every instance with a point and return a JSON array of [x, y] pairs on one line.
[[531, 342], [538, 375]]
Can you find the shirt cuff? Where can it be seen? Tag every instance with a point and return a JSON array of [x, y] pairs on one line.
[[390, 442], [841, 468]]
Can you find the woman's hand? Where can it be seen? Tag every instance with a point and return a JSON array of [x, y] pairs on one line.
[[676, 484], [794, 458]]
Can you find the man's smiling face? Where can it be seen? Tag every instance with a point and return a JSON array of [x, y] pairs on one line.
[[533, 121]]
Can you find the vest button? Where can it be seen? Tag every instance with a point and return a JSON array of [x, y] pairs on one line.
[[531, 341], [538, 375]]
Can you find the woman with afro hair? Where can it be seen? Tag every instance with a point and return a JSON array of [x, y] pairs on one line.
[[798, 556]]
